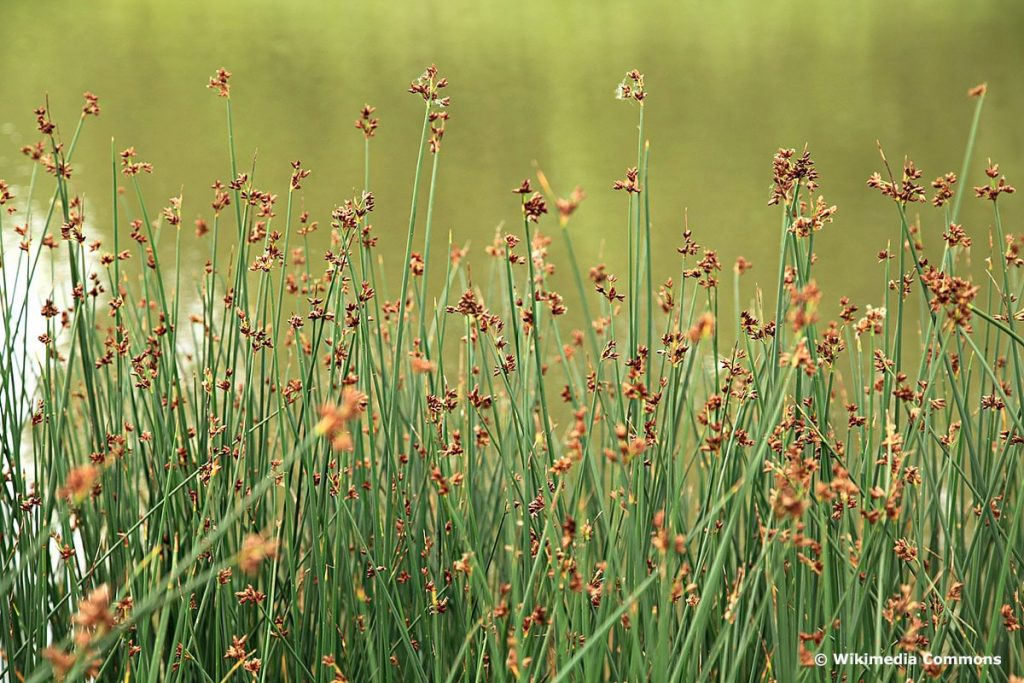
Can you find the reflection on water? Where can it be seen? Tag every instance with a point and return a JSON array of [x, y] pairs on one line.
[[29, 279], [533, 82]]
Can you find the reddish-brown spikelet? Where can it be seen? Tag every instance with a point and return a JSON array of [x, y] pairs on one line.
[[219, 82]]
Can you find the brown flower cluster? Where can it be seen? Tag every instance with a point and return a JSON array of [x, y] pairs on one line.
[[130, 167], [79, 483], [788, 172], [822, 213], [567, 206], [367, 122], [952, 293], [219, 82], [632, 87], [956, 236], [631, 184], [705, 272], [804, 305], [534, 206], [904, 192], [429, 86], [92, 620], [92, 105], [943, 189], [995, 187], [298, 175], [255, 549], [335, 418]]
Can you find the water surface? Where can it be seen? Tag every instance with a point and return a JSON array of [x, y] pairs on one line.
[[532, 82]]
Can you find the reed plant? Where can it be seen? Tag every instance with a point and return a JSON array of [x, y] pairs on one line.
[[270, 468]]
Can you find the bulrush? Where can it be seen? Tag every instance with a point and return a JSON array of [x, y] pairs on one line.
[[251, 456]]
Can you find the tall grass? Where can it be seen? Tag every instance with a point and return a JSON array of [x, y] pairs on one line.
[[266, 469]]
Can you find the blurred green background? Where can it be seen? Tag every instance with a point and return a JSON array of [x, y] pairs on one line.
[[533, 81]]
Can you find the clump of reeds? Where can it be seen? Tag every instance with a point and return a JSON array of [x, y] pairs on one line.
[[268, 469]]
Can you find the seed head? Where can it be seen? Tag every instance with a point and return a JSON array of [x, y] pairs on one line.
[[92, 105], [905, 550], [943, 189], [250, 595], [130, 167], [631, 184], [632, 87], [79, 482], [94, 611], [334, 418], [255, 549], [906, 191], [236, 650], [298, 175], [469, 305], [60, 661], [995, 188], [952, 293], [534, 207], [219, 82], [43, 123], [367, 122], [568, 206], [788, 172], [428, 86]]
